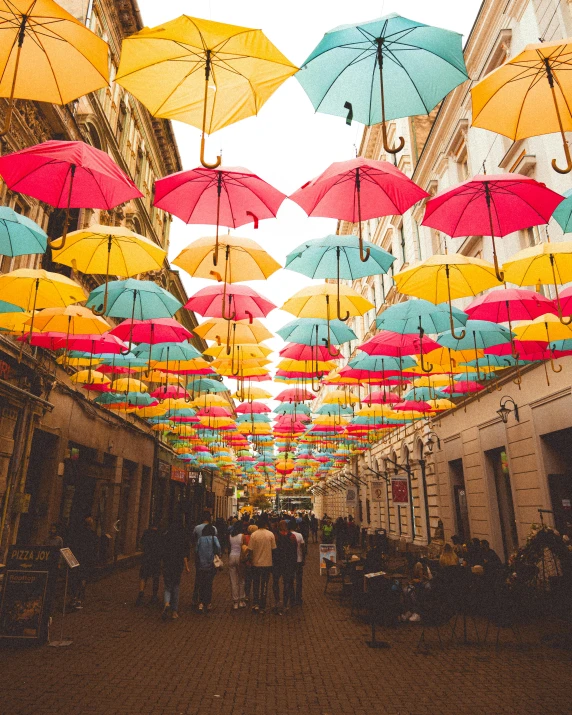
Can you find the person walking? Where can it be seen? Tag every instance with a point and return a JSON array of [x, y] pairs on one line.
[[247, 561], [175, 559], [151, 546], [54, 539], [207, 546], [327, 531], [301, 549], [284, 567], [85, 548], [262, 543], [236, 567], [197, 533], [314, 528]]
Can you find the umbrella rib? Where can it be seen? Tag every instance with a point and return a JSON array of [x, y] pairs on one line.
[[400, 64], [177, 87], [534, 82], [360, 58]]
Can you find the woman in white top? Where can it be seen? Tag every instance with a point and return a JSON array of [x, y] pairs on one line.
[[235, 567]]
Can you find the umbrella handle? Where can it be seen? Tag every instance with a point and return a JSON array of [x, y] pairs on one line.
[[202, 157], [553, 367], [568, 168], [386, 146], [426, 368], [250, 316], [328, 345], [565, 320], [228, 317], [104, 307]]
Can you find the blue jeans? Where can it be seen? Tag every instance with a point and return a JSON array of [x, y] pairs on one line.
[[171, 595]]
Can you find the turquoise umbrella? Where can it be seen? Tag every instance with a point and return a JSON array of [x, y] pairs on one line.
[[423, 393], [167, 352], [136, 399], [407, 317], [338, 257], [383, 69], [19, 235], [138, 300], [199, 385], [379, 363], [292, 408], [10, 307], [478, 335], [563, 213], [333, 410], [314, 331]]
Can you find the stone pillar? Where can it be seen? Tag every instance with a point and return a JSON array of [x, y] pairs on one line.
[[130, 528]]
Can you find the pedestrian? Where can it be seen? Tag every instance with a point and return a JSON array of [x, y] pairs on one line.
[[262, 544], [246, 558], [284, 560], [208, 546], [300, 561], [303, 525], [151, 545], [340, 534], [314, 528], [236, 567], [197, 532], [327, 531], [222, 532], [85, 547], [175, 553], [54, 539], [474, 553], [352, 532]]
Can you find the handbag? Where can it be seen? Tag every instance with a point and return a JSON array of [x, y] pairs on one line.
[[217, 561]]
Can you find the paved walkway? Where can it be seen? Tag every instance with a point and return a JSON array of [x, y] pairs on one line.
[[312, 660]]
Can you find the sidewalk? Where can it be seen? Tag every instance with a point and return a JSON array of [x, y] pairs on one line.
[[313, 660]]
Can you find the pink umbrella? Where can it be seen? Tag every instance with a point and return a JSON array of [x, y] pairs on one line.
[[169, 391], [96, 388], [226, 197], [358, 190], [413, 405], [243, 302], [98, 344], [153, 331], [464, 387], [213, 411], [294, 394], [297, 351], [115, 369], [398, 345], [565, 301], [68, 175], [256, 408], [381, 398], [185, 420], [494, 205]]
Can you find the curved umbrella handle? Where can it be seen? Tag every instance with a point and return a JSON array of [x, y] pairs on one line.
[[553, 366], [341, 317], [568, 168], [463, 332], [426, 368], [228, 317], [104, 306], [452, 322], [386, 146], [363, 256], [250, 317], [205, 163]]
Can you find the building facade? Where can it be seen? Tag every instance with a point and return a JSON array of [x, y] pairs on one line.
[[468, 472]]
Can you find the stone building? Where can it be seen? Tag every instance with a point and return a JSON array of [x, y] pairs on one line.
[[469, 471], [61, 456]]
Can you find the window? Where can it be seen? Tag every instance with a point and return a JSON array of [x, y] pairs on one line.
[[530, 237]]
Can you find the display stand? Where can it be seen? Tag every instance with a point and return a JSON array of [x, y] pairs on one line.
[[71, 563]]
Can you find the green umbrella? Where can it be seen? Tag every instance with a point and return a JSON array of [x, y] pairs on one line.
[[138, 300], [19, 235]]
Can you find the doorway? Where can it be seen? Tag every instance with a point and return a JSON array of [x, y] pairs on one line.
[[462, 525], [499, 463], [557, 449]]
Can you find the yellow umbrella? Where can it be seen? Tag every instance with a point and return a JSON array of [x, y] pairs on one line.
[[441, 404], [242, 331], [48, 55], [331, 420], [215, 422], [309, 366], [163, 427], [314, 301], [152, 411], [109, 250], [14, 323], [90, 377], [72, 320], [246, 351], [209, 401], [340, 397], [252, 393], [434, 380], [228, 371], [78, 362], [201, 72], [158, 376], [244, 260], [334, 378], [128, 384], [529, 95], [547, 328], [444, 278], [253, 428], [179, 365]]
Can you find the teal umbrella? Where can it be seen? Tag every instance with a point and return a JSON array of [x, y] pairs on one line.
[[478, 335], [314, 331], [338, 257], [135, 399], [409, 316], [333, 410], [292, 408], [10, 307], [19, 235], [383, 69], [563, 213], [167, 352], [381, 363], [138, 300], [205, 384], [423, 393]]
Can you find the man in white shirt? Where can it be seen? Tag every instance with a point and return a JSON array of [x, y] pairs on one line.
[[299, 562], [262, 543]]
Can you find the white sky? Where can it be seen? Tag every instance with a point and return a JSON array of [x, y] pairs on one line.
[[288, 143]]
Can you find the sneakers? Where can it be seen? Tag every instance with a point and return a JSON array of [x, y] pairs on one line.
[[255, 609], [242, 604], [174, 615], [166, 610], [235, 606], [200, 607], [415, 618]]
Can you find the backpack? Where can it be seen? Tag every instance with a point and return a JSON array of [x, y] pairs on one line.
[[327, 530]]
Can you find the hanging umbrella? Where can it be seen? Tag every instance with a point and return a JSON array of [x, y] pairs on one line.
[[247, 351], [294, 395], [529, 95], [49, 55], [358, 190], [135, 299], [563, 213], [244, 259], [92, 379], [314, 331], [71, 320], [242, 331], [171, 68], [19, 235], [67, 175], [252, 408], [243, 302], [398, 345], [383, 69], [14, 323], [109, 250], [543, 264], [299, 351], [491, 206], [337, 257], [161, 330], [202, 384], [444, 278], [479, 335], [225, 197]]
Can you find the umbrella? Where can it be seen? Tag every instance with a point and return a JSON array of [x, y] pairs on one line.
[[167, 68], [294, 395], [135, 299], [252, 408], [15, 322], [383, 69], [71, 321], [478, 335], [203, 384], [49, 55], [491, 205], [528, 95], [68, 175], [358, 190], [337, 257], [447, 277], [226, 197], [244, 260], [397, 344], [543, 264], [19, 235], [243, 331], [313, 331], [161, 330], [109, 250], [299, 351]]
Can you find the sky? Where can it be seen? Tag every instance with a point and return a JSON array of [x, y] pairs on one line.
[[288, 143]]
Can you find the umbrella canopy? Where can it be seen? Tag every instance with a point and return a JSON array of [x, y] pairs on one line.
[[16, 322], [383, 69], [313, 331], [71, 320], [506, 305], [162, 330], [479, 335], [35, 288], [544, 328], [492, 206], [203, 384], [398, 345], [169, 69], [242, 331], [294, 395], [240, 301], [315, 301], [358, 190], [139, 300], [563, 213], [528, 95], [413, 316], [49, 55], [299, 351], [19, 235]]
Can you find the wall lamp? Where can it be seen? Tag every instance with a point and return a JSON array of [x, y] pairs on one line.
[[432, 440], [505, 411]]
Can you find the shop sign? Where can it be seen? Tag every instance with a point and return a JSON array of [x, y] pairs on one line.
[[377, 491], [400, 490], [178, 475], [29, 584], [327, 551], [164, 470], [351, 497], [195, 478]]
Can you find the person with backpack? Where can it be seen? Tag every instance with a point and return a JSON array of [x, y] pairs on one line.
[[284, 560], [175, 559], [152, 547], [236, 568], [327, 532], [208, 547]]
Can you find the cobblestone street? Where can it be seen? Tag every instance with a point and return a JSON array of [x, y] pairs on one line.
[[312, 660]]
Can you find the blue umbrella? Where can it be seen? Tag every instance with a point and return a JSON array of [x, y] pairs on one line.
[[205, 384], [167, 352], [409, 316], [19, 235], [563, 213], [10, 307], [314, 331], [384, 69], [139, 300]]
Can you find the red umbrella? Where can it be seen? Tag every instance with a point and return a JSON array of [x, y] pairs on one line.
[[294, 394], [398, 345], [255, 408], [169, 391], [68, 175], [358, 190], [226, 197], [464, 387], [494, 205], [115, 370], [153, 331], [243, 302], [381, 398], [413, 405], [214, 411]]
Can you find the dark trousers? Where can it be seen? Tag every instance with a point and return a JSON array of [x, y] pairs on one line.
[[205, 578], [260, 578], [315, 536], [247, 580], [299, 579], [287, 586]]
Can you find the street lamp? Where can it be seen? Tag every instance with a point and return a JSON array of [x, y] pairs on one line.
[[505, 411], [432, 440]]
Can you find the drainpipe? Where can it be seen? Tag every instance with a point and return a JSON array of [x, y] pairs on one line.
[[423, 465]]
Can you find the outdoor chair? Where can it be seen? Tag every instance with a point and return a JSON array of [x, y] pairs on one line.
[[335, 577]]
